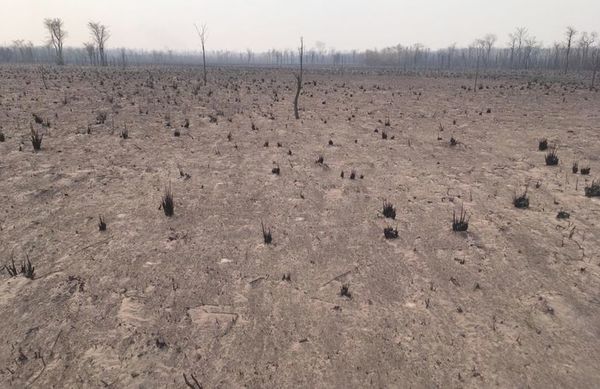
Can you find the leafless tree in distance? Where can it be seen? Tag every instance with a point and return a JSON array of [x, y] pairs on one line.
[[100, 35], [595, 54], [489, 40], [530, 45], [570, 33], [123, 57], [299, 78], [202, 31], [57, 37], [516, 40], [479, 46], [584, 44], [90, 49]]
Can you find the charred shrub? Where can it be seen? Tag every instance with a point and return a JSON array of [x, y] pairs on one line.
[[345, 291], [36, 139], [460, 223], [390, 233], [101, 223], [593, 190], [167, 203], [388, 210], [521, 201], [552, 157], [27, 269], [266, 232]]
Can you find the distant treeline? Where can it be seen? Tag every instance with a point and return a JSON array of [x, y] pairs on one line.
[[523, 53]]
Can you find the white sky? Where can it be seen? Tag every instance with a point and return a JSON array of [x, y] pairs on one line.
[[264, 24]]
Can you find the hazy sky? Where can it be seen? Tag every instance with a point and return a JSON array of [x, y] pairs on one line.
[[265, 24]]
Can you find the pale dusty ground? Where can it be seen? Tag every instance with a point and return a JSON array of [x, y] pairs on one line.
[[515, 302]]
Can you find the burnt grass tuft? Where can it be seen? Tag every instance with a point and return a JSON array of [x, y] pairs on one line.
[[521, 201], [11, 269], [390, 233], [266, 232], [593, 190], [388, 210], [543, 144], [345, 291], [36, 139], [460, 223], [27, 269], [101, 223], [552, 157], [167, 203]]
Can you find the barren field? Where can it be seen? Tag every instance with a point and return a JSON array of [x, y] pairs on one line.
[[512, 302]]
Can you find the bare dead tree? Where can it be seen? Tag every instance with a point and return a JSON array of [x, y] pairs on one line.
[[100, 35], [202, 31], [299, 78], [516, 40], [531, 45], [479, 45], [585, 43], [512, 42], [596, 65], [56, 38], [570, 33], [24, 49], [451, 51], [90, 49], [489, 40], [557, 50], [123, 57]]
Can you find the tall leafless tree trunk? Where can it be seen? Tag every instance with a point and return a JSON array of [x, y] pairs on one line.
[[556, 55], [91, 52], [570, 33], [56, 38], [100, 34], [299, 79], [479, 48], [202, 34], [516, 39], [596, 68], [512, 42], [489, 39]]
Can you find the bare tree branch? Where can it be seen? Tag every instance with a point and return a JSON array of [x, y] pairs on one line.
[[56, 38]]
